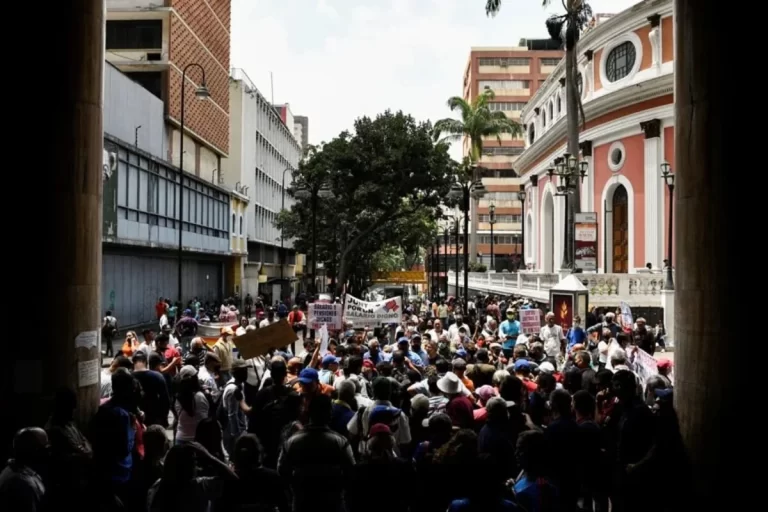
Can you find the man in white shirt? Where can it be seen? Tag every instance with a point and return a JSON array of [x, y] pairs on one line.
[[437, 331], [453, 330], [270, 319], [207, 375], [553, 337]]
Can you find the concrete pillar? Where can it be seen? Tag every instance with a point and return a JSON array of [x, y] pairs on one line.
[[59, 343], [668, 305], [654, 227], [707, 377], [534, 236]]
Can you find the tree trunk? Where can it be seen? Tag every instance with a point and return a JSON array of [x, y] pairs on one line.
[[707, 376]]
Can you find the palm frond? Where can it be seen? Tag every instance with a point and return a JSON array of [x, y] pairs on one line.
[[448, 128], [492, 7], [460, 104]]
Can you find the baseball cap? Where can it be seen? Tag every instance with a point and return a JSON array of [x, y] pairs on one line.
[[546, 367], [330, 359], [380, 428], [187, 371], [308, 376], [522, 364], [402, 340], [664, 364]]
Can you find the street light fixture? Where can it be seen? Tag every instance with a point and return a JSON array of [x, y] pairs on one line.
[[201, 93], [521, 195], [446, 244], [669, 178], [570, 174], [313, 193], [492, 221], [462, 192]]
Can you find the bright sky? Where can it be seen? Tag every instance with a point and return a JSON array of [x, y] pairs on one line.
[[336, 60]]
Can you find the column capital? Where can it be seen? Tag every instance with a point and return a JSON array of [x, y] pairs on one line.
[[586, 148], [654, 20], [651, 128], [588, 54], [534, 181]]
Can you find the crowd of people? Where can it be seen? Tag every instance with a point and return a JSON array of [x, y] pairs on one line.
[[455, 408]]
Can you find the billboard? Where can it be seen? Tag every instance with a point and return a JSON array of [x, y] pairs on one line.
[[585, 237]]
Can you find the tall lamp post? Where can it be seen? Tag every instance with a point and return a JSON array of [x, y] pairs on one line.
[[313, 193], [201, 93], [431, 271], [492, 221], [456, 230], [464, 192], [446, 244], [521, 195], [568, 170], [669, 178]]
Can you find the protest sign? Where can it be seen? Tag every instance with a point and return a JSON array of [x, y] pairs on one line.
[[365, 314], [626, 317], [645, 366], [324, 339], [257, 343], [323, 313], [530, 320]]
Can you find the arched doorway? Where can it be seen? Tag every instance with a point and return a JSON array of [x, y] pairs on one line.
[[620, 230], [547, 231]]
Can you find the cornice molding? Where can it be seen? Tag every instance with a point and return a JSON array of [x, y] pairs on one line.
[[649, 89], [626, 21]]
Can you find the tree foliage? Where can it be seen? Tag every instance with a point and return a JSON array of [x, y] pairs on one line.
[[477, 121], [384, 183]]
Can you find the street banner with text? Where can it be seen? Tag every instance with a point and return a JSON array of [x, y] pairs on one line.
[[324, 313], [368, 314]]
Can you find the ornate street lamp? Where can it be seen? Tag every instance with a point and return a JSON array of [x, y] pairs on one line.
[[669, 178], [463, 192], [568, 170], [446, 243], [313, 193]]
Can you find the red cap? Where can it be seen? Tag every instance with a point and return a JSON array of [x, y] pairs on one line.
[[379, 428], [367, 363], [663, 364]]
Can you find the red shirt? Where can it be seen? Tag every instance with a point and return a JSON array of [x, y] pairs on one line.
[[169, 354], [160, 309]]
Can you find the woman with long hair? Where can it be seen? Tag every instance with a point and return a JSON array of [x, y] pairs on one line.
[[131, 344], [191, 404]]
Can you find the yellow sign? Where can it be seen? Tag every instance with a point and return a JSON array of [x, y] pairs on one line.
[[408, 276]]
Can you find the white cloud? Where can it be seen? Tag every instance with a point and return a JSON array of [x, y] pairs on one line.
[[324, 8]]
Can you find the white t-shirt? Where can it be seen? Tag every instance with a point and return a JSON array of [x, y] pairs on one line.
[[552, 337], [267, 323], [188, 424]]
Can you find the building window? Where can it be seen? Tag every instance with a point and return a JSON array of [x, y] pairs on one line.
[[502, 218], [499, 173], [616, 156], [549, 62], [531, 134], [551, 111], [580, 83], [544, 118], [504, 84], [620, 61], [134, 34], [504, 61], [502, 151], [241, 225], [559, 105], [234, 231], [506, 106]]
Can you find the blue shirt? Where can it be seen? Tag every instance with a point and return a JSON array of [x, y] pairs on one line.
[[576, 336], [532, 494], [509, 328]]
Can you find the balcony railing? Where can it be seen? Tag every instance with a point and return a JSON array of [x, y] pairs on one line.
[[641, 290]]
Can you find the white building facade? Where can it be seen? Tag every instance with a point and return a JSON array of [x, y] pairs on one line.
[[263, 151]]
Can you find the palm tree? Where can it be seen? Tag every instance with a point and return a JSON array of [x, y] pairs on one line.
[[566, 27], [477, 123]]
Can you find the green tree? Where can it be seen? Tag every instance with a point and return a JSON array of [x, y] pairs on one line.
[[566, 27], [382, 181]]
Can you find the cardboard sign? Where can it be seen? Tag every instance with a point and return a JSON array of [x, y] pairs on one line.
[[259, 342], [530, 321], [364, 314], [626, 317], [321, 313]]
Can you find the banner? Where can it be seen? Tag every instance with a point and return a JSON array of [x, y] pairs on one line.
[[257, 343], [367, 314], [408, 276], [645, 366], [627, 323], [323, 313], [585, 236], [530, 320]]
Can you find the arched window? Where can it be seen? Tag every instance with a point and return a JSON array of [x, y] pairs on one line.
[[531, 134], [234, 217], [620, 61], [559, 105], [544, 118], [580, 84], [241, 225], [551, 111]]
